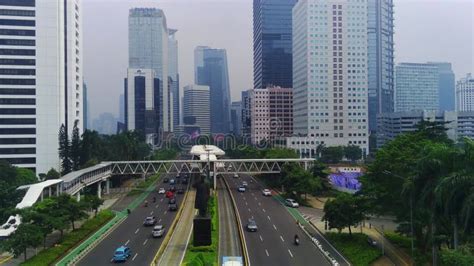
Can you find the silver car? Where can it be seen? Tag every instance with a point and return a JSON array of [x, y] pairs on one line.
[[252, 226], [158, 231]]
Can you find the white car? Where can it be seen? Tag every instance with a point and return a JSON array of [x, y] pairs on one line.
[[291, 203], [236, 175], [158, 231], [245, 184], [241, 189], [161, 191], [266, 192]]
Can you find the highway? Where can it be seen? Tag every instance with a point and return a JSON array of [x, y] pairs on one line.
[[134, 234], [273, 243], [229, 238]]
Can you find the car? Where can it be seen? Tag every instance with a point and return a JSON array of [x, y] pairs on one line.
[[172, 200], [158, 231], [172, 189], [184, 181], [166, 180], [266, 192], [121, 254], [180, 190], [236, 175], [251, 225], [169, 194], [241, 189], [150, 220], [371, 241], [173, 206], [291, 203], [161, 190], [178, 176], [172, 181], [244, 183]]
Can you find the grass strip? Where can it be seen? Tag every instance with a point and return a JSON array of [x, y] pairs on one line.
[[355, 248]]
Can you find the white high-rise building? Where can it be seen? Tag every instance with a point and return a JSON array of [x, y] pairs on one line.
[[148, 39], [465, 94], [174, 75], [41, 82], [330, 73], [196, 107]]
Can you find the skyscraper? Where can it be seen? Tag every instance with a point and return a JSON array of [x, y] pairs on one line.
[[173, 73], [272, 43], [41, 84], [214, 73], [196, 107], [236, 118], [380, 59], [465, 94], [85, 103], [446, 86], [330, 73], [148, 49], [416, 87], [246, 113]]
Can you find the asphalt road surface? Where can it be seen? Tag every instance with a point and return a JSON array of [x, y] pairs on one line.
[[273, 243], [134, 234]]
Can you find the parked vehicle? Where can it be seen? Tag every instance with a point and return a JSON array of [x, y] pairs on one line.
[[121, 254], [158, 231], [291, 203]]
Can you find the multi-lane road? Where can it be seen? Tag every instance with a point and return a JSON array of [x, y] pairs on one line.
[[134, 234], [273, 243]]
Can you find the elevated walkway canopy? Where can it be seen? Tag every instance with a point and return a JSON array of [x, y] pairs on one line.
[[202, 151]]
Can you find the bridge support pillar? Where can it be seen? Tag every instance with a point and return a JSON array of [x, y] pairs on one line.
[[99, 189], [107, 186], [42, 195], [78, 196], [50, 191]]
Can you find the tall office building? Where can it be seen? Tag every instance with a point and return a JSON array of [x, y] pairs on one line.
[[246, 113], [236, 118], [271, 114], [198, 60], [465, 94], [213, 72], [41, 81], [380, 59], [446, 86], [416, 87], [173, 74], [121, 117], [85, 108], [148, 39], [272, 43], [142, 102], [196, 107], [330, 73]]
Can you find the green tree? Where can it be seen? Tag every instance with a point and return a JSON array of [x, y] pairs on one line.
[[353, 152], [93, 203], [298, 180], [75, 147], [26, 236], [345, 210], [320, 171], [332, 154], [64, 150], [52, 174], [73, 210], [280, 153]]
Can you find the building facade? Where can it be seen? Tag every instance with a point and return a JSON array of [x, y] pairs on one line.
[[196, 108], [214, 73], [380, 59], [416, 87], [41, 83], [148, 40], [236, 118], [142, 102], [174, 75], [458, 124], [272, 43], [330, 79], [465, 94], [246, 113], [446, 86], [271, 114]]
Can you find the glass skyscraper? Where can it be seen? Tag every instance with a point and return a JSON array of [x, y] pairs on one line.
[[446, 86], [380, 59], [272, 43], [213, 72]]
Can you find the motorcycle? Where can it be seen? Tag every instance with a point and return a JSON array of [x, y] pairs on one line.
[[297, 241], [146, 204]]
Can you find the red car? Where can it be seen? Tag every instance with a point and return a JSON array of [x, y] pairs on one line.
[[169, 194]]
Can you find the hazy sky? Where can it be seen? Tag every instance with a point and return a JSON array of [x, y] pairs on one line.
[[425, 30]]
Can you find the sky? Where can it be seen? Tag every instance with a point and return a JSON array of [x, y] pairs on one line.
[[425, 30]]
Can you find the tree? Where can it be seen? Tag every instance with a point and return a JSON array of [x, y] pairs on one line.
[[73, 210], [64, 151], [26, 236], [93, 202], [345, 210], [353, 153], [297, 180], [75, 147], [280, 153], [320, 171], [52, 174], [332, 154]]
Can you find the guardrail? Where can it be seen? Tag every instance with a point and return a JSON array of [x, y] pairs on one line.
[[167, 238], [243, 243]]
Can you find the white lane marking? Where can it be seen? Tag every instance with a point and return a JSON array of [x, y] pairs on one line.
[[246, 204], [291, 254], [159, 220], [166, 212], [151, 213], [249, 210], [146, 240], [261, 239], [268, 217], [266, 251], [136, 254], [255, 198], [259, 204], [263, 210], [244, 198], [253, 194], [138, 229], [275, 227], [156, 206], [283, 240], [126, 243]]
